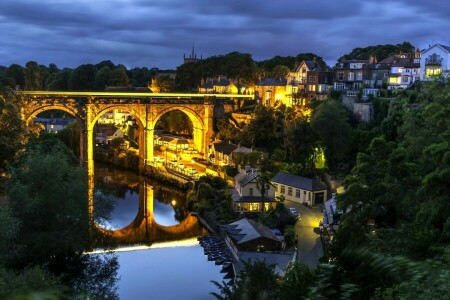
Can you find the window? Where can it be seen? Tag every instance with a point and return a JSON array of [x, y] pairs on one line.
[[358, 76], [374, 74], [340, 75], [303, 70], [405, 79], [289, 191], [351, 76], [297, 193], [250, 191], [312, 78], [283, 189]]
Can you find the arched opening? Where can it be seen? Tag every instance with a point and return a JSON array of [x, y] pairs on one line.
[[178, 142], [117, 136], [60, 122]]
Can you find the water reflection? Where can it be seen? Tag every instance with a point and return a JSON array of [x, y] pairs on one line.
[[122, 189]]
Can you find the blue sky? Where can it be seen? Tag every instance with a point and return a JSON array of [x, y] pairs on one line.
[[146, 33]]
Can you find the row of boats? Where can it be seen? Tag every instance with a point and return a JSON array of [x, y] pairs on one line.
[[216, 250]]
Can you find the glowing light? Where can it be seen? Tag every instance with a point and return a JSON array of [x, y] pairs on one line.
[[174, 202], [182, 243]]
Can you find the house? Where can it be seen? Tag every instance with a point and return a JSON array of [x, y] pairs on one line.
[[219, 85], [271, 92], [404, 69], [249, 235], [376, 75], [54, 124], [299, 189], [247, 196], [305, 82], [331, 213], [221, 153], [250, 241], [105, 133], [318, 83], [348, 76], [435, 62]]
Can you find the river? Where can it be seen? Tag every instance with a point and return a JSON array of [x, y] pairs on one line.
[[166, 270]]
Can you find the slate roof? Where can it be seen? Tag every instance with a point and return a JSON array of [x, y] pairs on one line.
[[246, 230], [280, 260], [298, 182], [247, 178], [224, 147], [445, 47], [272, 82]]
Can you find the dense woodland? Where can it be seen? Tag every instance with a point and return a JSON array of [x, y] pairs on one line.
[[392, 242], [240, 66]]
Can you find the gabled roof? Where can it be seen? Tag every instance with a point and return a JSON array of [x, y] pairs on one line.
[[225, 148], [246, 230], [445, 48], [247, 178], [298, 182], [242, 149]]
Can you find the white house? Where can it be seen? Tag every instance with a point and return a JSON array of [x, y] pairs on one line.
[[435, 62], [299, 189], [247, 196]]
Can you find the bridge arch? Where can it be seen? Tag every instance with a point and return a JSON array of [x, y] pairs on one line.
[[197, 123], [34, 113], [135, 113]]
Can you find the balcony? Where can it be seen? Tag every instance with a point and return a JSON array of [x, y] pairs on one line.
[[433, 61]]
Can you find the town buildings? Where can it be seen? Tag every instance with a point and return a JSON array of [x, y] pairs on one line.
[[299, 189]]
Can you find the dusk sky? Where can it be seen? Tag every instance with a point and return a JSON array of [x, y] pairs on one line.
[[145, 33]]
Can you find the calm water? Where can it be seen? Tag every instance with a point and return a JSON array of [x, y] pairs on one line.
[[176, 270]]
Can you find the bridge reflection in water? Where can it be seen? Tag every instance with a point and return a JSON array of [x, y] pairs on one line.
[[144, 229]]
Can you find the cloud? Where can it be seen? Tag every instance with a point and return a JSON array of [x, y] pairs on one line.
[[141, 33]]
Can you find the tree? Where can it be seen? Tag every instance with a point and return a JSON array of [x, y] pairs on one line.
[[15, 76], [83, 78], [33, 79], [118, 77], [12, 136], [59, 81], [102, 78], [47, 194], [329, 122]]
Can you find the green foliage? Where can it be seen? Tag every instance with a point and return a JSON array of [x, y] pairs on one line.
[[83, 78], [33, 81], [296, 283], [31, 283], [12, 136], [48, 194], [330, 122], [398, 193], [379, 51]]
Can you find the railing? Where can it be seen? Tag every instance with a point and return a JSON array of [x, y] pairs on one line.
[[433, 61]]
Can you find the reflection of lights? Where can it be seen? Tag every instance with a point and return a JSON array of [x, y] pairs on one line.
[[181, 243], [174, 202]]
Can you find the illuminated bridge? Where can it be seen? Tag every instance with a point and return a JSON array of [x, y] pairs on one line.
[[146, 108]]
